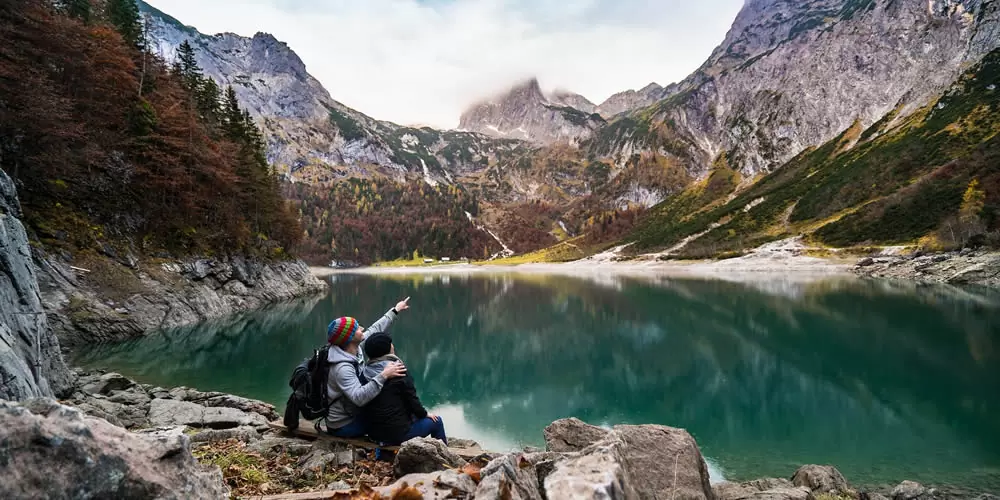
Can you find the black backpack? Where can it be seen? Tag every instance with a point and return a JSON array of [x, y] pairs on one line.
[[308, 385]]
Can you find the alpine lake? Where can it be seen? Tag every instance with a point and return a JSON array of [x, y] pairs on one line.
[[887, 381]]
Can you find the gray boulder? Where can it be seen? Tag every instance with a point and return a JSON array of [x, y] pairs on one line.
[[822, 479], [243, 404], [131, 397], [272, 446], [571, 434], [319, 461], [107, 383], [877, 496], [437, 485], [769, 483], [325, 455], [796, 493], [165, 412], [908, 490], [663, 461], [599, 473], [462, 443], [60, 453], [244, 434], [511, 477], [100, 411], [762, 489], [424, 455], [127, 416], [630, 461]]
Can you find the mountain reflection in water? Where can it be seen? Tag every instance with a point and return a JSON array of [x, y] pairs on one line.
[[887, 381]]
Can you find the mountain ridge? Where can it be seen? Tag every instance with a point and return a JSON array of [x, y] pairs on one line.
[[788, 77]]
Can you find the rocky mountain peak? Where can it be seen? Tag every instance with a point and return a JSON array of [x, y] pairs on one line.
[[524, 112], [269, 53], [527, 91]]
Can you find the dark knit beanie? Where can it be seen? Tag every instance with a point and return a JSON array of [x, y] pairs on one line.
[[378, 345]]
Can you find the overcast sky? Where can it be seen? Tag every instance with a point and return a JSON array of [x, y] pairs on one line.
[[425, 61]]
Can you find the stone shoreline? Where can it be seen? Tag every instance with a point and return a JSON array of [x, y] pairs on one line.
[[166, 428], [968, 267], [964, 268]]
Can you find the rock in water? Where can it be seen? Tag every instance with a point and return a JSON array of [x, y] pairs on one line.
[[53, 451], [424, 455], [509, 477], [822, 479], [571, 434], [908, 490]]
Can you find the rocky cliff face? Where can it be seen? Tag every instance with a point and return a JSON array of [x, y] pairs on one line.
[[572, 100], [168, 295], [30, 361], [525, 113], [311, 136], [791, 75]]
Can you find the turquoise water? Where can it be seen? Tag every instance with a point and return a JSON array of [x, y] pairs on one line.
[[885, 381]]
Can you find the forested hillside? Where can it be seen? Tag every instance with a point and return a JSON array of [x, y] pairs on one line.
[[371, 220], [110, 148]]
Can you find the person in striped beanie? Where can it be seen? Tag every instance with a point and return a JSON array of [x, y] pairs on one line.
[[345, 388]]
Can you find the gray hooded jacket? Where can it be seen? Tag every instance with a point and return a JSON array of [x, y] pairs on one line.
[[343, 386]]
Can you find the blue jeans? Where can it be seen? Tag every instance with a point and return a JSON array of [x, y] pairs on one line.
[[427, 427], [355, 429]]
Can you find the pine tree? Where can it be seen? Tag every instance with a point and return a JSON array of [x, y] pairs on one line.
[[188, 67], [124, 15], [208, 99], [232, 116], [79, 9]]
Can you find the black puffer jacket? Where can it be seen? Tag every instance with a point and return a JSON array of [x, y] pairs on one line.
[[390, 415]]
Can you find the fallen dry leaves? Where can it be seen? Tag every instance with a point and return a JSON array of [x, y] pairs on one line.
[[248, 473]]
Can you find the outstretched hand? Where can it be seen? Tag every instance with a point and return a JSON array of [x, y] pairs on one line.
[[394, 370], [402, 305]]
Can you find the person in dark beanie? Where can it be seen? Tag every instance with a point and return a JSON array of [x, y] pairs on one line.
[[395, 415], [344, 387]]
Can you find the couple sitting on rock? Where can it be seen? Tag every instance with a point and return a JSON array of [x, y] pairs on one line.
[[377, 398]]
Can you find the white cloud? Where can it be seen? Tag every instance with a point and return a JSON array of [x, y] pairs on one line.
[[425, 61]]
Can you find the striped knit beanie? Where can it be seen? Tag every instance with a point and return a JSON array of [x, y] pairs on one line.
[[341, 331]]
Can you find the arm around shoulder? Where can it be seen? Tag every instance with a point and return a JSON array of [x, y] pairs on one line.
[[347, 381]]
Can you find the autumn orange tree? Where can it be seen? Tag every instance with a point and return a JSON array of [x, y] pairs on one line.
[[109, 145], [370, 220]]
